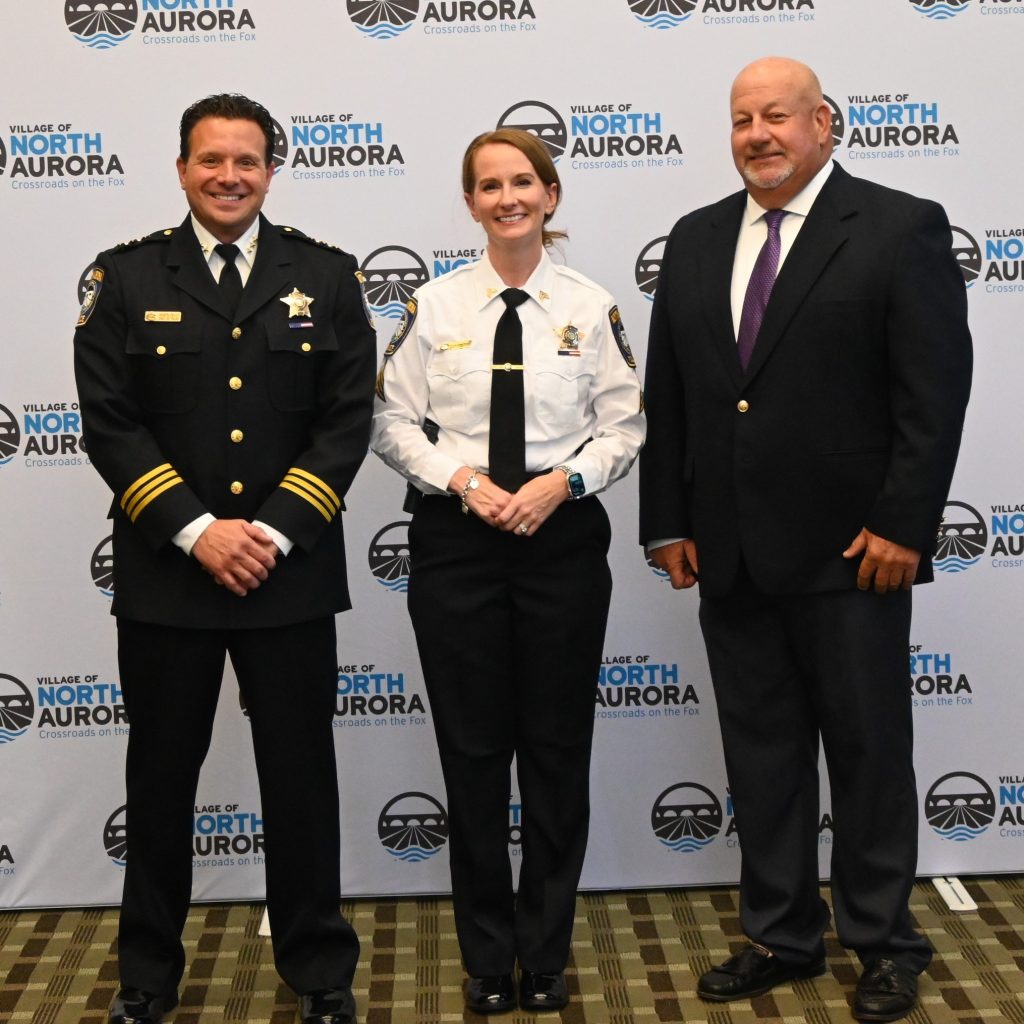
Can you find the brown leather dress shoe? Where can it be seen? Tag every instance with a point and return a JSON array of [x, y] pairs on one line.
[[885, 991], [752, 972], [136, 1006]]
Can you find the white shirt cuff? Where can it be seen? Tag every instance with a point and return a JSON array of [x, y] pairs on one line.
[[186, 537]]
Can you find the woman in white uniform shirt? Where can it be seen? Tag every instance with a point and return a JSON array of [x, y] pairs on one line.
[[509, 586]]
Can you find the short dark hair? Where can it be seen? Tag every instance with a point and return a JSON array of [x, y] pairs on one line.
[[233, 106]]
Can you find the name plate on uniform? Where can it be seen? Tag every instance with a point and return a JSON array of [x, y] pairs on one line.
[[163, 316]]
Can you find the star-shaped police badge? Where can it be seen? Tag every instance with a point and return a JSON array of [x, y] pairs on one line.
[[297, 303]]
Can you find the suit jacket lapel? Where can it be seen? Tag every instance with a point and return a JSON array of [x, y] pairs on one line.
[[270, 273], [715, 269], [268, 276], [821, 236], [192, 271]]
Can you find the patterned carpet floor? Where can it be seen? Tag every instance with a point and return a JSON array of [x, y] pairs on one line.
[[636, 958]]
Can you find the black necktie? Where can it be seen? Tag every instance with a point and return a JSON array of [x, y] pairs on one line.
[[506, 446], [230, 278]]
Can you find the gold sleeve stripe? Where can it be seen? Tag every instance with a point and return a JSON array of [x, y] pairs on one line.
[[144, 479], [310, 493], [139, 506], [326, 494], [145, 495], [313, 501]]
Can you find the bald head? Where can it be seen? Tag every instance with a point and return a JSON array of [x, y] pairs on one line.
[[781, 128]]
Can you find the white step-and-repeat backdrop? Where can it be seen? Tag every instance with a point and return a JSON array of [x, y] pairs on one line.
[[375, 102]]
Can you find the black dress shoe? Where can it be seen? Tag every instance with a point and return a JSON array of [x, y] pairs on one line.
[[135, 1006], [328, 1006], [751, 972], [885, 991], [491, 993], [542, 991]]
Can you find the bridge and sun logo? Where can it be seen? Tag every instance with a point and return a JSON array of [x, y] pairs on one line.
[[101, 25]]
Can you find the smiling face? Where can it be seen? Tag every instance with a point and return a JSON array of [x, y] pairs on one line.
[[508, 199], [781, 129], [226, 176]]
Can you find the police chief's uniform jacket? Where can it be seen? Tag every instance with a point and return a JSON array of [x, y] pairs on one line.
[[262, 417]]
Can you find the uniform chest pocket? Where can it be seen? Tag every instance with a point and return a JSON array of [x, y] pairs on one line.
[[295, 356], [459, 379], [558, 387], [165, 366]]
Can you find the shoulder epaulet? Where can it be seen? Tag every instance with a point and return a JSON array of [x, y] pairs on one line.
[[575, 275], [164, 235], [290, 232]]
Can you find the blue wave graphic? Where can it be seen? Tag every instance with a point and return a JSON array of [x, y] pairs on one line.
[[649, 298], [961, 834], [688, 844], [399, 586], [102, 40], [6, 736], [954, 564], [3, 462], [942, 12], [107, 593], [383, 31], [413, 854], [663, 21], [393, 310], [119, 863]]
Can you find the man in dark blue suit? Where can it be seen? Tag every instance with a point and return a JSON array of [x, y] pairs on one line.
[[225, 370], [808, 370]]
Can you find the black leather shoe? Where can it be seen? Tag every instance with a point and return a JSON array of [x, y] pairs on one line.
[[491, 993], [885, 991], [328, 1006], [751, 972], [134, 1006], [542, 992]]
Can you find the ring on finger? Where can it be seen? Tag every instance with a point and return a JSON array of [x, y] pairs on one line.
[[523, 528]]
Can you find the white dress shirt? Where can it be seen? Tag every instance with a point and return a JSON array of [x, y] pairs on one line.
[[580, 386]]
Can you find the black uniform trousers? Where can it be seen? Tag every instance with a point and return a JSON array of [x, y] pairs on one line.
[[786, 671], [510, 633], [171, 678]]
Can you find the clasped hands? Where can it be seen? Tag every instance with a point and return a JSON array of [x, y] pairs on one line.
[[522, 513], [236, 554], [885, 566]]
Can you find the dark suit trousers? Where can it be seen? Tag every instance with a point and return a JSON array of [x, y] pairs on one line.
[[510, 633], [288, 678], [786, 671]]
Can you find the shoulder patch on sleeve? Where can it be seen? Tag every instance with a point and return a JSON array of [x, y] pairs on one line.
[[361, 279], [93, 286], [401, 331], [408, 319], [619, 331]]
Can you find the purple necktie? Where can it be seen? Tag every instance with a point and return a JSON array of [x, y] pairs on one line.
[[759, 287]]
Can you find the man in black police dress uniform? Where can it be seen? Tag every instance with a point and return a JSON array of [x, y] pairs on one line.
[[803, 477], [225, 372]]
